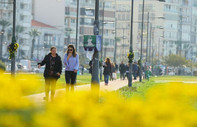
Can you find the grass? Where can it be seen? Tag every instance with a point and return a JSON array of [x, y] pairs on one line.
[[81, 80], [140, 88]]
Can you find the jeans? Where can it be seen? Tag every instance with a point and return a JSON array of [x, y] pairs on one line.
[[122, 76], [106, 78], [70, 77]]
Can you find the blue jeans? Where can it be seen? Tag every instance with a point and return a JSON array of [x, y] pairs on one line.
[[106, 78]]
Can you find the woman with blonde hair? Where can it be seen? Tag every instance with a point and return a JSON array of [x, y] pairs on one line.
[[52, 71]]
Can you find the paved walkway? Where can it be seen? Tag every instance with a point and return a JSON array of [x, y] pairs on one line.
[[113, 85]]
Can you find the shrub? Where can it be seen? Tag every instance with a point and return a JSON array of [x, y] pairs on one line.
[[2, 66]]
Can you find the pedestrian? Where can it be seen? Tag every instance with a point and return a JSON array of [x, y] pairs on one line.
[[71, 61], [112, 74], [52, 72], [107, 70], [135, 70], [148, 73], [90, 69], [116, 67], [127, 71], [122, 70], [82, 69]]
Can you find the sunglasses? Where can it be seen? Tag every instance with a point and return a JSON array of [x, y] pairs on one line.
[[70, 49]]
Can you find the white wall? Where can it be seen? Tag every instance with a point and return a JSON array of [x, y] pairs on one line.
[[50, 12]]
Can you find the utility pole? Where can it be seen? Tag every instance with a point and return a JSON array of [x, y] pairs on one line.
[[13, 38], [95, 60]]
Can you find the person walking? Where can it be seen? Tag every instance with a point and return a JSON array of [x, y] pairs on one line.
[[122, 70], [113, 70], [71, 61], [127, 71], [135, 70], [52, 72], [107, 70]]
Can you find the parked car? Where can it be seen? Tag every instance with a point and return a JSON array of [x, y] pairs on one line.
[[39, 70]]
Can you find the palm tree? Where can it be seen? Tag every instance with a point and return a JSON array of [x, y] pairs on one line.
[[19, 30], [3, 24], [33, 33]]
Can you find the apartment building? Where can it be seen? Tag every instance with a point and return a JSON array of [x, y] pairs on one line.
[[86, 23], [23, 19]]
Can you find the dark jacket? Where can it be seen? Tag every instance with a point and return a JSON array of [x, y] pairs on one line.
[[107, 69], [57, 68], [135, 67], [122, 68]]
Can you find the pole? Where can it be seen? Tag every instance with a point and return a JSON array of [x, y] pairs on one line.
[[13, 38], [150, 43], [141, 41], [1, 46], [77, 25], [131, 47], [103, 19], [147, 38], [115, 50], [95, 60], [123, 46]]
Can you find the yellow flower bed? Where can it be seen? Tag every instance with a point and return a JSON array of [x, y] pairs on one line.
[[169, 105]]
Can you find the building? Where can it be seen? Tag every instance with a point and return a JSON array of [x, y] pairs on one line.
[[23, 26], [86, 24], [49, 36], [123, 23]]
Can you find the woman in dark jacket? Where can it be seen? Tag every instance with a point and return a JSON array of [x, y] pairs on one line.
[[107, 70], [52, 72]]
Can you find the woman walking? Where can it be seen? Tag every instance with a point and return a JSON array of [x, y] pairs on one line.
[[107, 70], [71, 61], [52, 72]]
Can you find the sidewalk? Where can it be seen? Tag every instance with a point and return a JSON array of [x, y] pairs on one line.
[[113, 85]]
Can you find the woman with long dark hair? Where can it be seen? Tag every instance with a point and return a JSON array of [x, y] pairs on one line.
[[52, 71], [107, 70], [71, 61]]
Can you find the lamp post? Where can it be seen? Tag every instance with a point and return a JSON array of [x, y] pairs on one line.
[[1, 45], [147, 41], [131, 47], [142, 27], [95, 60], [103, 19], [77, 26], [13, 38]]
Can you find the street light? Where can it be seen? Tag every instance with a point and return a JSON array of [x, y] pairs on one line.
[[131, 47], [95, 60], [77, 25]]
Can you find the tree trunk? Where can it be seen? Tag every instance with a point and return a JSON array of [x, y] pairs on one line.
[[32, 49]]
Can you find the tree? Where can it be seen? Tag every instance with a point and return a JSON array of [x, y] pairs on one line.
[[175, 61], [3, 24], [33, 33]]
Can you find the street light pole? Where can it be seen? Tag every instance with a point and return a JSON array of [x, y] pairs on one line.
[[147, 42], [13, 38], [141, 41], [131, 47], [95, 60], [103, 19], [77, 25]]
